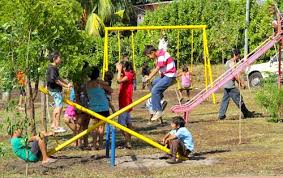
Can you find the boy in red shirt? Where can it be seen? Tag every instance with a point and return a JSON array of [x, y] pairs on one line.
[[125, 78]]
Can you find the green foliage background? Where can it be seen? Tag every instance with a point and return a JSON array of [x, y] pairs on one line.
[[54, 25]]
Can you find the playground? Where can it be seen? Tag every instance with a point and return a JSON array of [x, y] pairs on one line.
[[218, 152], [112, 103]]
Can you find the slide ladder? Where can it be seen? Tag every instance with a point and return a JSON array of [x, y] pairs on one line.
[[225, 77]]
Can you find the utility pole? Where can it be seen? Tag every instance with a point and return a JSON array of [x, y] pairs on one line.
[[246, 28]]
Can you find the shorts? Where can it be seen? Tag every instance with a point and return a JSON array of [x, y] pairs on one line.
[[35, 149], [103, 113], [70, 111], [22, 91], [57, 97], [125, 119]]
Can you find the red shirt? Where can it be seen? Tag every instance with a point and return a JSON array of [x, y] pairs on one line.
[[126, 90]]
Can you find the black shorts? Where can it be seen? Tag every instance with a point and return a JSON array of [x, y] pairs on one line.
[[35, 149], [22, 91], [103, 113]]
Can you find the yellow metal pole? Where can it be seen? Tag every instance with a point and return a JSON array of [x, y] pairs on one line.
[[105, 58], [205, 60], [119, 46], [133, 51], [208, 65], [178, 58], [108, 120], [192, 50], [200, 27]]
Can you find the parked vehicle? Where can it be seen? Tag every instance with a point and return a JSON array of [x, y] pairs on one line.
[[257, 72]]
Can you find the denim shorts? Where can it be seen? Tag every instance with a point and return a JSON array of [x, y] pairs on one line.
[[57, 97], [125, 119]]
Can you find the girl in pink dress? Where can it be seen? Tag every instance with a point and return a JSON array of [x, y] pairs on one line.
[[185, 82]]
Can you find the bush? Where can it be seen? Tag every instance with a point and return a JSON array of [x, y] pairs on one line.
[[271, 98]]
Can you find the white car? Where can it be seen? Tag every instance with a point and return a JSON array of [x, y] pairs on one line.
[[257, 72]]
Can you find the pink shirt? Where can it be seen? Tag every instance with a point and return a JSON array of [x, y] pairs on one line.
[[166, 64], [186, 79]]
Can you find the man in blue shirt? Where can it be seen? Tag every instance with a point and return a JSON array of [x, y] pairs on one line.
[[179, 140]]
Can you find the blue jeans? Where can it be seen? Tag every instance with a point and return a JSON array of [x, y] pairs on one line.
[[159, 85], [235, 95]]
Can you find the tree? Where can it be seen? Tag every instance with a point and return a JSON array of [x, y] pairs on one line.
[[40, 27], [106, 13]]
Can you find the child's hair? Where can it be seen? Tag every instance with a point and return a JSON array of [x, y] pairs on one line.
[[108, 76], [127, 65], [179, 121], [11, 128], [148, 49], [185, 69], [54, 55], [236, 52], [94, 74]]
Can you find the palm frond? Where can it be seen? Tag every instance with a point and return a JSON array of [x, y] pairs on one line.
[[94, 25], [120, 13]]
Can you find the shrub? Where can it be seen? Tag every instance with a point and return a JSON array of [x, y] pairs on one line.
[[271, 98]]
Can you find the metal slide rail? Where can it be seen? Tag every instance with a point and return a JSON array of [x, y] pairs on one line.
[[225, 77]]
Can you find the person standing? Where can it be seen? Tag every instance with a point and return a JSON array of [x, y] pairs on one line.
[[231, 91], [54, 86]]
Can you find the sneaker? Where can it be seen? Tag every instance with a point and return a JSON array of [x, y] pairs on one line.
[[164, 104], [128, 145], [157, 115], [165, 156], [152, 112], [59, 130], [249, 115], [49, 160], [173, 161], [222, 117]]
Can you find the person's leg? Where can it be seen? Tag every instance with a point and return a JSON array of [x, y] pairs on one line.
[[69, 123], [85, 122], [38, 148], [157, 90], [238, 100], [224, 104], [174, 146], [188, 93], [122, 121], [57, 96], [130, 126]]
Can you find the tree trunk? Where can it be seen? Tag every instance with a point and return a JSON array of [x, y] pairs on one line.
[[43, 109], [30, 107]]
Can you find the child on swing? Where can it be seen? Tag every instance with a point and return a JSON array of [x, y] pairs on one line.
[[185, 82]]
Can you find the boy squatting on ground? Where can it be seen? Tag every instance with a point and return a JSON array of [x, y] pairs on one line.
[[179, 140], [35, 151]]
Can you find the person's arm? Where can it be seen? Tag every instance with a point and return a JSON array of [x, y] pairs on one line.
[[237, 77], [170, 137], [153, 73], [63, 83], [120, 78], [179, 74], [105, 86], [165, 137]]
